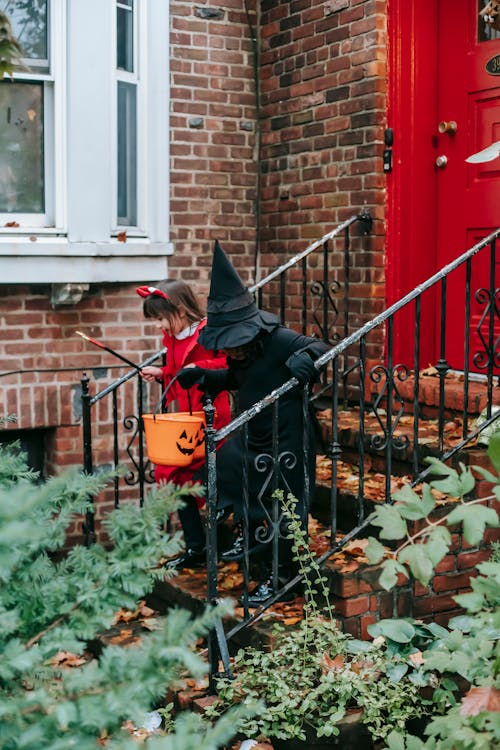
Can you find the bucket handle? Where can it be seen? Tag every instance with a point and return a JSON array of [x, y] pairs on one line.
[[170, 384]]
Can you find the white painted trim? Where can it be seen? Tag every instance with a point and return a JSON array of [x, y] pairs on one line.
[[89, 269], [61, 248], [90, 145], [60, 142], [83, 83], [158, 121]]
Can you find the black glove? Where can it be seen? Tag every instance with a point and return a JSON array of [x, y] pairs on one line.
[[302, 367], [190, 376]]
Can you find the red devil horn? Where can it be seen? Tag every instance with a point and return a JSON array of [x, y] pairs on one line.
[[147, 291]]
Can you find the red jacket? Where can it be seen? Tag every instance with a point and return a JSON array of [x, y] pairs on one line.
[[183, 352]]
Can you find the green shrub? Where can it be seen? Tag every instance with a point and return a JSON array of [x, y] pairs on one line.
[[51, 602], [466, 657], [314, 675]]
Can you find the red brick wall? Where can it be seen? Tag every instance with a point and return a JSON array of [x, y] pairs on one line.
[[212, 128], [213, 178], [42, 361], [323, 68], [322, 78], [359, 600]]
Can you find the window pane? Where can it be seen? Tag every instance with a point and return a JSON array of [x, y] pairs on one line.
[[29, 20], [125, 36], [21, 148], [485, 31], [127, 154]]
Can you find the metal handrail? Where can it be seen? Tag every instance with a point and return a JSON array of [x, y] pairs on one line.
[[242, 420], [309, 249], [128, 375], [343, 345], [337, 353]]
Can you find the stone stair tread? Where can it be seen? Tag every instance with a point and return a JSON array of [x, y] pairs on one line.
[[348, 479], [188, 587], [374, 481], [349, 430]]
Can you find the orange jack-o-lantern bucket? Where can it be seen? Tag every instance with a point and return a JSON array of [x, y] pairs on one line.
[[171, 439], [199, 451]]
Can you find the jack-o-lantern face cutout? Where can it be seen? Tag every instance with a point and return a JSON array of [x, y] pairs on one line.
[[185, 444], [200, 436], [199, 451]]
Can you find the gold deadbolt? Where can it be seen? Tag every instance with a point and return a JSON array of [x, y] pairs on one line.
[[450, 127]]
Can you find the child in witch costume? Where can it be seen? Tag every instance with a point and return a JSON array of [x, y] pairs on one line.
[[261, 356], [179, 315]]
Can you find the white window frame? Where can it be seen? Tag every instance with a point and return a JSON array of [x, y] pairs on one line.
[[82, 244], [137, 77]]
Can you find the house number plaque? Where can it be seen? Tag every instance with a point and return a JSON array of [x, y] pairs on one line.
[[493, 66]]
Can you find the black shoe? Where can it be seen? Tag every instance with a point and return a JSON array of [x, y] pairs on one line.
[[263, 592], [237, 550], [258, 595], [223, 514], [189, 559]]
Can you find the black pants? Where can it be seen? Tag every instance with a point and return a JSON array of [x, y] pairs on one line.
[[192, 526]]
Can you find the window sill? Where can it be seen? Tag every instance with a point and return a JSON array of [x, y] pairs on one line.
[[45, 259]]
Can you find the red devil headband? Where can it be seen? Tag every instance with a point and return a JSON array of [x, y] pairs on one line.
[[147, 291]]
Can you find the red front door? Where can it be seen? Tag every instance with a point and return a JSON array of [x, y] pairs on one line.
[[468, 195], [443, 70]]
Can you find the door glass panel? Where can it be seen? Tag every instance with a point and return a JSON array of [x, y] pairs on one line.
[[21, 148], [125, 35], [29, 21], [127, 154], [485, 31]]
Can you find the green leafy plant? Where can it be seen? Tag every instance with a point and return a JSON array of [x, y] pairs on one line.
[[466, 657], [52, 602], [314, 675], [420, 551]]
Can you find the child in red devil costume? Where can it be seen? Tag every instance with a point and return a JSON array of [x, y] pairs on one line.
[[178, 314]]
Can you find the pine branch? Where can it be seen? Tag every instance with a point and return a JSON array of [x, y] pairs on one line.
[[50, 627]]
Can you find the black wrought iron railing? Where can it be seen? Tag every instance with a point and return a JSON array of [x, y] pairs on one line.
[[384, 437], [323, 288], [374, 405], [324, 312], [127, 440]]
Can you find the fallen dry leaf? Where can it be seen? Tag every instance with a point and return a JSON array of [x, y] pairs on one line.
[[349, 567], [362, 665], [67, 659], [127, 615], [291, 620], [429, 371], [332, 665], [125, 637], [150, 623], [356, 548], [480, 699], [232, 581], [417, 658]]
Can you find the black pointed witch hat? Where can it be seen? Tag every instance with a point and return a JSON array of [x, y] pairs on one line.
[[233, 318]]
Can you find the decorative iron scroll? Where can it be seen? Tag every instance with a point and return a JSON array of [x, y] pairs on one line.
[[325, 292], [482, 359], [146, 471], [264, 462], [389, 391]]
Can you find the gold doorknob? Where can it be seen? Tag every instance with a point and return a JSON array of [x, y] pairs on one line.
[[450, 127], [441, 161]]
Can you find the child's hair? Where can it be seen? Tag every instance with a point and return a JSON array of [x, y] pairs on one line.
[[179, 295]]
